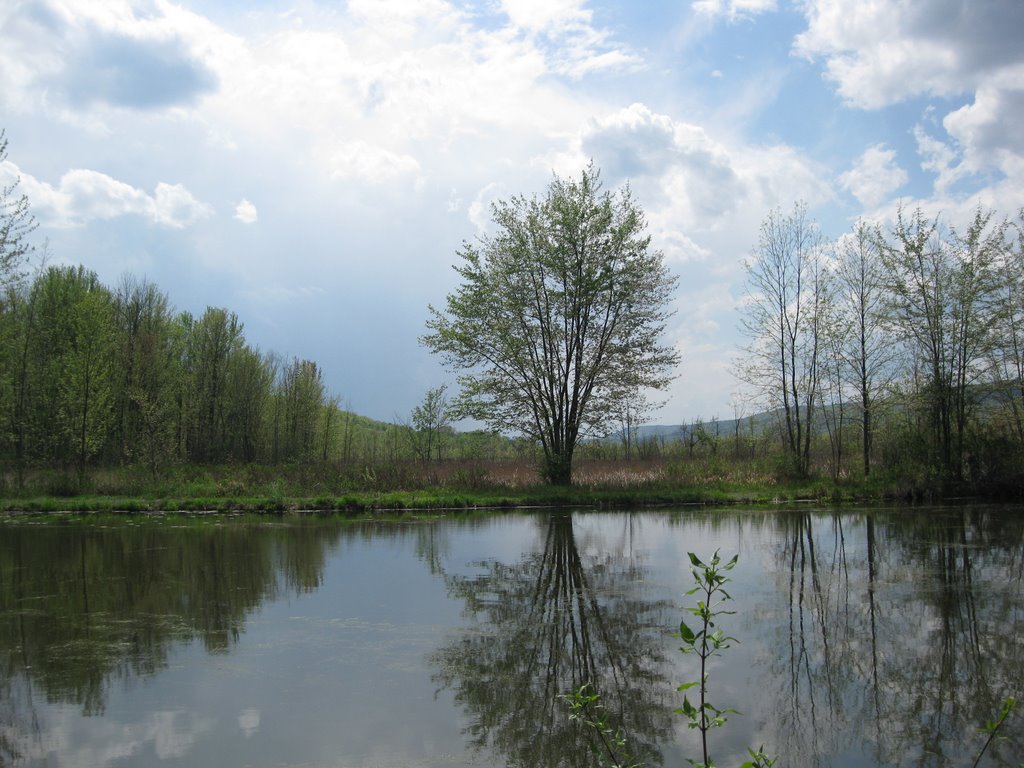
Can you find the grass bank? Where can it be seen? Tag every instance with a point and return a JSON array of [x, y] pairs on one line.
[[401, 486]]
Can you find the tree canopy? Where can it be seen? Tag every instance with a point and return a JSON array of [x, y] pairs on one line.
[[559, 317]]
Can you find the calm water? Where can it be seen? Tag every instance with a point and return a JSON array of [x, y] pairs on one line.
[[866, 638]]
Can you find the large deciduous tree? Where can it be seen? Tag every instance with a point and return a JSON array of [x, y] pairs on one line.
[[559, 317]]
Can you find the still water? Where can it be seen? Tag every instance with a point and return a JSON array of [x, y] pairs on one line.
[[866, 637]]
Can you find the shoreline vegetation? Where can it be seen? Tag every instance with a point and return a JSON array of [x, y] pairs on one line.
[[454, 486]]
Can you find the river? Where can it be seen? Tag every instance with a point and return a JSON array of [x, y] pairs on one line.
[[864, 637]]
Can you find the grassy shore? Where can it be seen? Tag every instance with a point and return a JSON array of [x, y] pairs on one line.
[[406, 486]]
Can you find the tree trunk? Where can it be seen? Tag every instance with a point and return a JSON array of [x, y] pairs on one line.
[[558, 468]]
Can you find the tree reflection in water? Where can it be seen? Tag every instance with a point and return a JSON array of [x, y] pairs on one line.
[[83, 605], [868, 638], [546, 625], [886, 650]]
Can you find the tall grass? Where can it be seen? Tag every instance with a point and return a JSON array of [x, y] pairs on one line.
[[704, 477]]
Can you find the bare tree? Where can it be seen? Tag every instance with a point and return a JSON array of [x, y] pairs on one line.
[[787, 292], [1008, 355], [863, 346], [943, 287], [16, 224]]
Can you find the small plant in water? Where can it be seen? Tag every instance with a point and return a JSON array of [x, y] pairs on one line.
[[706, 641], [610, 749], [992, 726]]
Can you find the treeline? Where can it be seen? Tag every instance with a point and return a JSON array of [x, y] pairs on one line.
[[896, 348], [117, 376], [94, 376], [98, 376]]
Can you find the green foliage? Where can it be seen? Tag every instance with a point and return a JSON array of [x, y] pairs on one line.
[[706, 641], [429, 429], [992, 727], [610, 749], [558, 319], [758, 759]]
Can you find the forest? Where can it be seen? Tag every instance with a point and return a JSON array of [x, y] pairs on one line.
[[908, 335], [890, 357]]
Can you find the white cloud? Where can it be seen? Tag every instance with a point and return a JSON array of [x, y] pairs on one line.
[[940, 158], [689, 182], [989, 128], [402, 12], [174, 206], [733, 9], [84, 195], [576, 47], [365, 162], [479, 212], [541, 15], [883, 53], [246, 212], [874, 177], [66, 57], [880, 53]]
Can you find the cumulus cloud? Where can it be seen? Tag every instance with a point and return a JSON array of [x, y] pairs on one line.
[[401, 11], [479, 212], [246, 212], [875, 176], [882, 53], [82, 54], [576, 46], [940, 158], [989, 128], [545, 14], [84, 195], [687, 177], [174, 206], [693, 171]]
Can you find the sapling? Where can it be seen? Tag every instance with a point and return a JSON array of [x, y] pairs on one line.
[[992, 726], [707, 641], [585, 706]]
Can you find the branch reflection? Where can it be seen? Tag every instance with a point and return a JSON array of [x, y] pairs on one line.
[[901, 635], [558, 618]]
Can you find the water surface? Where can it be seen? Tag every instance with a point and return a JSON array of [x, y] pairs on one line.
[[867, 637]]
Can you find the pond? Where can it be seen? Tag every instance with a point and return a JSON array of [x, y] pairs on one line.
[[865, 637]]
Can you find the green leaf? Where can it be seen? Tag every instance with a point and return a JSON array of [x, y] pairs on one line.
[[686, 633]]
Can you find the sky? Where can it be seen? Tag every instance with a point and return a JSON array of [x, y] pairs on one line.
[[315, 166]]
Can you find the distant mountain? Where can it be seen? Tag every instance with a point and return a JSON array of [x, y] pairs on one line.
[[722, 428]]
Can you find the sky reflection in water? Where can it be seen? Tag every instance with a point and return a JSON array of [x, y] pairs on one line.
[[865, 638]]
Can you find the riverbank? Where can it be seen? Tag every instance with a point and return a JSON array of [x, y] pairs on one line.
[[399, 487], [443, 501], [396, 501]]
